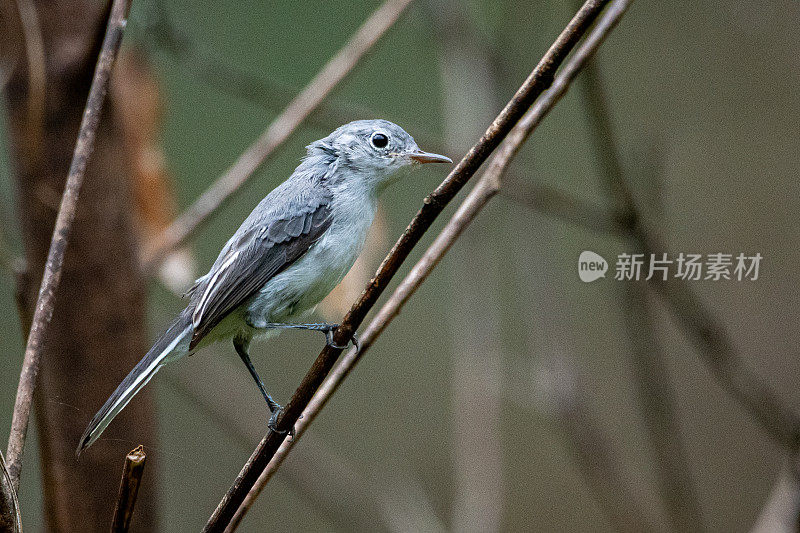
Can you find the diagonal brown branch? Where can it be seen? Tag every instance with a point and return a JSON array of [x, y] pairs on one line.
[[539, 81], [61, 234], [324, 478], [278, 132]]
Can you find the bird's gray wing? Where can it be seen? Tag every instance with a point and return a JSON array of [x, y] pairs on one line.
[[252, 257]]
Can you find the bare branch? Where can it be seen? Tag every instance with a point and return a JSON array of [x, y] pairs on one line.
[[215, 71], [262, 462], [61, 233], [326, 479], [129, 485], [278, 132]]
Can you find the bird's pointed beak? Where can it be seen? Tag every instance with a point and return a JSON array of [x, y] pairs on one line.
[[426, 157]]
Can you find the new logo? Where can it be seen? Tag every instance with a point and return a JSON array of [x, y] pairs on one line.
[[591, 266]]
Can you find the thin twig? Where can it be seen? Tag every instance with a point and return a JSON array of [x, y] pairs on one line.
[[539, 80], [278, 132], [61, 234], [129, 485], [652, 376]]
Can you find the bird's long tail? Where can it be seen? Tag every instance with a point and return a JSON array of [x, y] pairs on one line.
[[173, 344]]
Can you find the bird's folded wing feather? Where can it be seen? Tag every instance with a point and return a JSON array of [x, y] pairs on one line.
[[252, 257]]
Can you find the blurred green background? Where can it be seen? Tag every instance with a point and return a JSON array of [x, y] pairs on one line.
[[710, 87]]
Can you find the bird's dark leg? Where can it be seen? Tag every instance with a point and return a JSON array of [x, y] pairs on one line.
[[326, 328], [241, 345]]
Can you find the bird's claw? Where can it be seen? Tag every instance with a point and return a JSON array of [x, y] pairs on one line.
[[273, 423], [329, 339]]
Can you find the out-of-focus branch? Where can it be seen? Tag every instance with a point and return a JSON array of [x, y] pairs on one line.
[[486, 188], [699, 323], [655, 393], [129, 483], [691, 313], [11, 39], [719, 353], [61, 233], [652, 375], [138, 109], [206, 67], [278, 132], [10, 519]]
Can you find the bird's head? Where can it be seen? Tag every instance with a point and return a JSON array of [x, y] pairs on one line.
[[372, 151]]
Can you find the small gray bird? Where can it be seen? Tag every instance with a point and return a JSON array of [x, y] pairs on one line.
[[293, 249]]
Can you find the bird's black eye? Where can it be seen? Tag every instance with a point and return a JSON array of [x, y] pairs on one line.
[[379, 140]]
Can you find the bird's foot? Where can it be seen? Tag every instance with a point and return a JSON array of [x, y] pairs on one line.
[[324, 327], [273, 423], [329, 338]]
